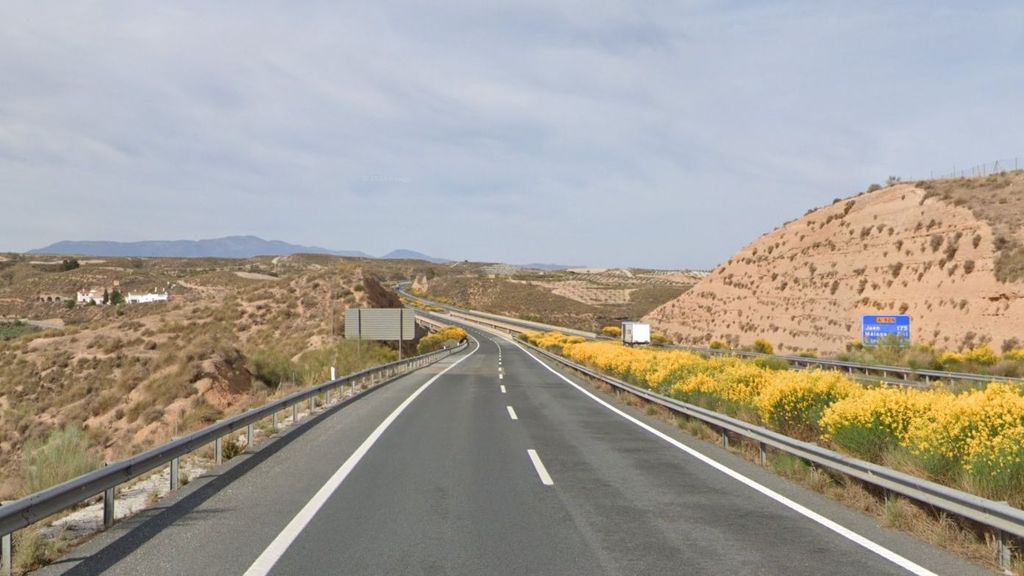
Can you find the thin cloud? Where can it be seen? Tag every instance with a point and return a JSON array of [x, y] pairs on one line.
[[520, 132]]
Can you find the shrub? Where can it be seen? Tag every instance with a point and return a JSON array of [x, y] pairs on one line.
[[612, 331], [763, 346], [794, 402], [202, 414], [870, 423], [230, 448], [718, 345], [273, 367], [64, 455], [772, 363], [981, 355], [437, 340]]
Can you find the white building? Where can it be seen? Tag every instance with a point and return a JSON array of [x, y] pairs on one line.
[[147, 298], [90, 296]]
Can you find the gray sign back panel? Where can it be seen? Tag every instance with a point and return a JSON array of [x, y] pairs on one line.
[[380, 323]]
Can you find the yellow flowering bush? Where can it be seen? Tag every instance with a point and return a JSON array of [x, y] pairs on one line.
[[1015, 355], [870, 422], [793, 402], [976, 435], [435, 341], [981, 355], [964, 432]]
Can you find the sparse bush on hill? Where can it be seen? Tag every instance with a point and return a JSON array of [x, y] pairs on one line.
[[273, 367], [763, 346], [63, 456]]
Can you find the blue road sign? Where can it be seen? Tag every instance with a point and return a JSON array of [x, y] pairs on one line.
[[876, 327]]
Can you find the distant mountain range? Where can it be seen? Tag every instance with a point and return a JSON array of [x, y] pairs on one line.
[[227, 247], [412, 255], [548, 267]]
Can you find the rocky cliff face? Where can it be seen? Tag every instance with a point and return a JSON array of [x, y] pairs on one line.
[[946, 252]]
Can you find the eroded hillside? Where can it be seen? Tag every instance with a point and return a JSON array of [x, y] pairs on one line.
[[949, 253], [233, 333]]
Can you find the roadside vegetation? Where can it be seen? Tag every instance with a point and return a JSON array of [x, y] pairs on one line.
[[16, 329], [235, 334], [443, 338], [981, 359], [971, 440], [973, 360]]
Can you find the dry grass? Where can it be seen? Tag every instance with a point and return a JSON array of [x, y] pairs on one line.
[[132, 376]]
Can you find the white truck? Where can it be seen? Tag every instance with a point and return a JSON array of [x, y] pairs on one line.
[[636, 333]]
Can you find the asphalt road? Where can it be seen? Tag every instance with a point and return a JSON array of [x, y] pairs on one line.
[[498, 467]]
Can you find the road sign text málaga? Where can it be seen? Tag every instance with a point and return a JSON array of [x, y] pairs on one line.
[[877, 327]]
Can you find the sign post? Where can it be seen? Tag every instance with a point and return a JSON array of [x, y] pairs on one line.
[[875, 328]]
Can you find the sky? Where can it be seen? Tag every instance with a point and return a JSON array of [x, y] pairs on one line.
[[647, 134]]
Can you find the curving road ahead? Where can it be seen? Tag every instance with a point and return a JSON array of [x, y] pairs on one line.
[[491, 462]]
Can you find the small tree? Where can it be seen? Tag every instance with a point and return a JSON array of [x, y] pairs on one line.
[[106, 296], [116, 297], [69, 264], [763, 346]]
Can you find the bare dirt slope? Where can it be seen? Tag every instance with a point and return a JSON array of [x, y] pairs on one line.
[[134, 375], [946, 252]]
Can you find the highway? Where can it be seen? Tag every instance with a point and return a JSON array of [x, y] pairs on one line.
[[490, 462]]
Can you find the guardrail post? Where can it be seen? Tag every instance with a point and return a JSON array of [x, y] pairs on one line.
[[218, 451], [175, 473], [275, 422], [108, 507], [725, 439], [762, 449], [250, 436], [6, 561], [327, 398], [311, 403], [1004, 550], [295, 414]]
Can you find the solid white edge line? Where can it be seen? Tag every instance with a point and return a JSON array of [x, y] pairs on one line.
[[265, 562], [796, 507], [502, 388], [512, 413], [545, 478]]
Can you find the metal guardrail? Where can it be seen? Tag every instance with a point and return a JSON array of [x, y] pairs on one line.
[[1000, 516], [41, 505], [907, 376]]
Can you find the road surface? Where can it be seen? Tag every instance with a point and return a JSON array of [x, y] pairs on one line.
[[490, 462]]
